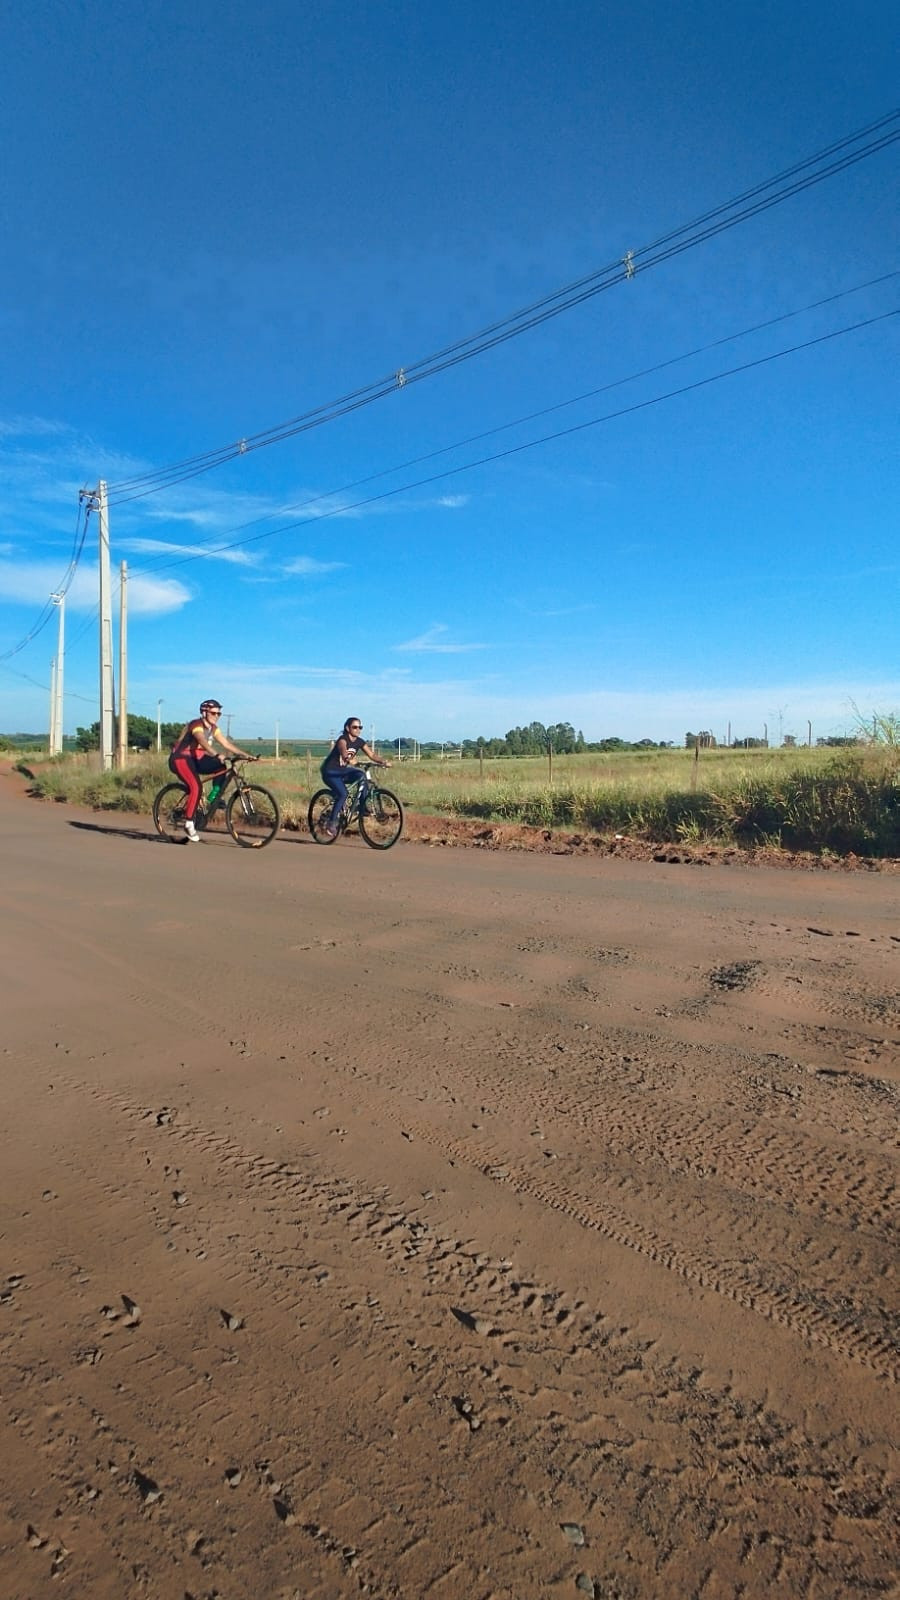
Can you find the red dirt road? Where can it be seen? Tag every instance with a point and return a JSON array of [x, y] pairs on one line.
[[447, 1223]]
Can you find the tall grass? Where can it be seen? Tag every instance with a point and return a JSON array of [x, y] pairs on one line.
[[797, 799]]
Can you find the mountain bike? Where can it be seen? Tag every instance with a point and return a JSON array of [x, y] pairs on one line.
[[377, 813], [251, 813]]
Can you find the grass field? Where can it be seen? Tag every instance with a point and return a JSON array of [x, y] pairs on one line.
[[799, 799]]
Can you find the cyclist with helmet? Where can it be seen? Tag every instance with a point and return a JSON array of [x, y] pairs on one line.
[[339, 767], [194, 757]]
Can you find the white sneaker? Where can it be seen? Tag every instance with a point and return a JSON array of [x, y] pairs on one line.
[[192, 833]]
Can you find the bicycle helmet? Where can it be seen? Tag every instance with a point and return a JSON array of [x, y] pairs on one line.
[[211, 705]]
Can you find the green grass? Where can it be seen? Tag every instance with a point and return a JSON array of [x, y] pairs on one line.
[[805, 799]]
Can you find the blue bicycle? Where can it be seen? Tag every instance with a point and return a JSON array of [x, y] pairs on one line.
[[375, 811]]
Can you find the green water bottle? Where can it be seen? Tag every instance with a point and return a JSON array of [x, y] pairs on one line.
[[214, 791]]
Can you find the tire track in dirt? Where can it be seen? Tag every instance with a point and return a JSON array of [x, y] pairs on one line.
[[540, 1363]]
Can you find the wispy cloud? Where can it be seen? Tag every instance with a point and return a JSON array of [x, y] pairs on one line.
[[139, 546], [454, 501], [32, 428], [309, 567], [431, 643]]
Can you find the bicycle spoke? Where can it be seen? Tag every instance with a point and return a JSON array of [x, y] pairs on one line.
[[252, 816], [318, 816], [381, 820], [168, 811]]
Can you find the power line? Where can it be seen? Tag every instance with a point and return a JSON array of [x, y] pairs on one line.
[[687, 236], [430, 455], [162, 564], [562, 433], [62, 587]]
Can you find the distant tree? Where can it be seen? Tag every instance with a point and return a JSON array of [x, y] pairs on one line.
[[141, 734]]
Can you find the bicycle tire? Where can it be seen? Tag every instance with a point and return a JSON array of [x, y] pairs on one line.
[[168, 811], [317, 815], [381, 819], [253, 816]]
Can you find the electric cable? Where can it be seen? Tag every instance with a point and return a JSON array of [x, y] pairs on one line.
[[330, 494], [685, 237], [531, 444]]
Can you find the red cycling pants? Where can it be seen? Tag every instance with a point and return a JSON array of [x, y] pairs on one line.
[[191, 770]]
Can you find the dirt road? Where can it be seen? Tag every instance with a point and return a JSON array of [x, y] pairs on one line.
[[443, 1223]]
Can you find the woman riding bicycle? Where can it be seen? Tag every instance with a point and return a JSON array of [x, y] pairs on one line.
[[195, 757], [339, 767]]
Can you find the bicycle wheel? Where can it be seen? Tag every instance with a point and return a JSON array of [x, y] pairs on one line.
[[252, 816], [381, 819], [168, 811], [318, 816]]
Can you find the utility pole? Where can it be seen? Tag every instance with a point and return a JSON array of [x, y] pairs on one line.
[[97, 499], [158, 726], [277, 746], [56, 715], [51, 743], [122, 746]]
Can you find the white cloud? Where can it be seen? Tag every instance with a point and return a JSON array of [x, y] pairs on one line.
[[139, 546], [309, 567], [32, 428], [32, 582], [429, 643], [311, 700], [453, 501]]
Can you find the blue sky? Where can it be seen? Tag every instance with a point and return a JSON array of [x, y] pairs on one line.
[[217, 219]]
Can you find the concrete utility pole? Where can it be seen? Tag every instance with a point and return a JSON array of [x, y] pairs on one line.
[[106, 652], [122, 743], [277, 745], [51, 743], [158, 726], [56, 715]]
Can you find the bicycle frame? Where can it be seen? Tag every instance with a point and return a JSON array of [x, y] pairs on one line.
[[209, 810], [356, 794]]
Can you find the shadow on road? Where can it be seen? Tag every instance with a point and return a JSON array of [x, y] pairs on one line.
[[122, 833], [148, 836]]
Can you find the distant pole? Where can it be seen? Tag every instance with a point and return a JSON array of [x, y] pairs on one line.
[[728, 737], [158, 726], [766, 734], [51, 742], [809, 734], [228, 717], [122, 745], [277, 745], [106, 650], [56, 744], [550, 763]]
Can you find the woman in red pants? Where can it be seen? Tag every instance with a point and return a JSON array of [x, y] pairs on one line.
[[194, 757]]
